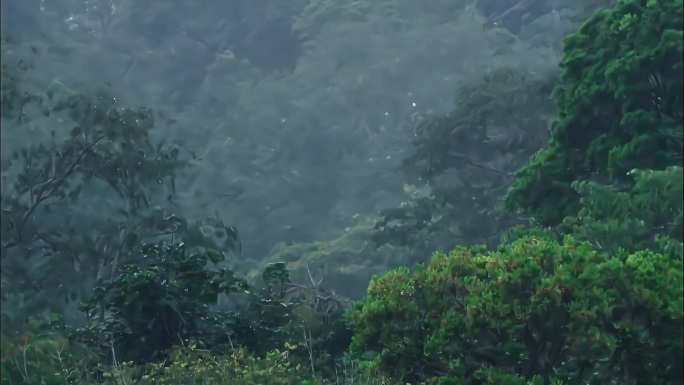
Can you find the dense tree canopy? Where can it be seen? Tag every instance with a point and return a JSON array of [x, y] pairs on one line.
[[200, 192], [535, 310], [611, 175], [620, 108]]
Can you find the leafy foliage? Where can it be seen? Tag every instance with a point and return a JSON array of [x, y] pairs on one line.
[[194, 366], [309, 136], [534, 309], [490, 118], [11, 93], [648, 216], [341, 129], [190, 365], [620, 108], [79, 198], [108, 147], [35, 356], [468, 157], [313, 329], [347, 262], [161, 298]]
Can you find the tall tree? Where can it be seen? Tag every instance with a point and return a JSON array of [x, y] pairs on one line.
[[620, 107]]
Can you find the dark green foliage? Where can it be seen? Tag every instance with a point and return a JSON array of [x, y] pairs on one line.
[[160, 298], [468, 158], [63, 185], [308, 319], [79, 198], [647, 216], [163, 297], [562, 312], [490, 118], [268, 312], [44, 357], [89, 193], [347, 262], [237, 367], [10, 96], [620, 108], [607, 311]]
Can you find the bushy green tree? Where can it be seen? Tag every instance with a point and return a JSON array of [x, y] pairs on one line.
[[89, 164], [620, 107], [78, 198], [84, 184], [164, 297], [535, 311], [160, 298]]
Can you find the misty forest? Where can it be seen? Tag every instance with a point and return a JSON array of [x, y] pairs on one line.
[[358, 192]]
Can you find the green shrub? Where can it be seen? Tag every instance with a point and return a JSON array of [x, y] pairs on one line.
[[194, 366], [201, 367], [44, 359], [161, 298], [533, 311]]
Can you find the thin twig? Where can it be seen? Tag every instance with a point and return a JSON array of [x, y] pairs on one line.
[[56, 183], [309, 347]]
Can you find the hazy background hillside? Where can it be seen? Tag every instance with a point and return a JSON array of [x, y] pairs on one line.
[[296, 115]]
